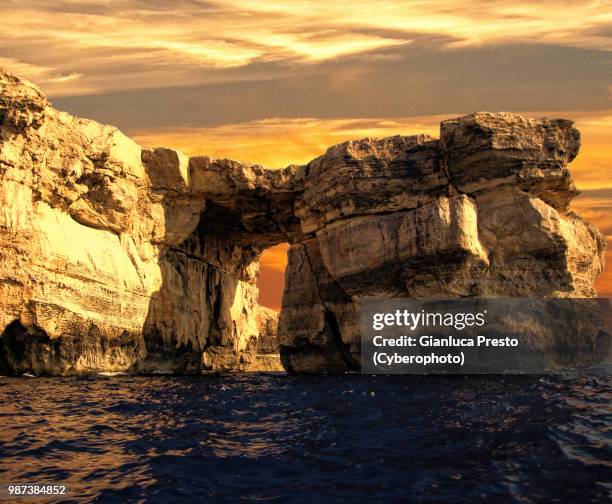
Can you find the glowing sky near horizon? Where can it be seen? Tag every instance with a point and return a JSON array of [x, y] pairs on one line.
[[278, 82]]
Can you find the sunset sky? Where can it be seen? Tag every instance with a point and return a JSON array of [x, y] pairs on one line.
[[277, 82]]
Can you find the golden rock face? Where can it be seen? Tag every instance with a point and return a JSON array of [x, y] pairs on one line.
[[103, 265], [115, 258]]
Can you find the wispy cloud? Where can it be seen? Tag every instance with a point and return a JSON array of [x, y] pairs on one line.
[[96, 46], [278, 142], [38, 73]]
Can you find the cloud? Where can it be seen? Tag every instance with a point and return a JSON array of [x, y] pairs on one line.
[[278, 142], [37, 73], [592, 169], [276, 258], [604, 282], [412, 80], [132, 44]]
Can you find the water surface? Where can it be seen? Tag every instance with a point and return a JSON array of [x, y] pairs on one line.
[[277, 438]]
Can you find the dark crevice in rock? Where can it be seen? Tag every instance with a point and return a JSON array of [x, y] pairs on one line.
[[331, 323]]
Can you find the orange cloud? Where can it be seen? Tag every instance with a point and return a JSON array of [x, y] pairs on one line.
[[604, 282], [592, 169], [275, 143], [125, 44], [275, 258]]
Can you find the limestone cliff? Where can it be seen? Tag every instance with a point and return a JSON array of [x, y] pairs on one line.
[[267, 322], [120, 259], [116, 258], [483, 211]]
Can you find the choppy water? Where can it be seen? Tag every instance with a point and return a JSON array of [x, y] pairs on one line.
[[276, 438]]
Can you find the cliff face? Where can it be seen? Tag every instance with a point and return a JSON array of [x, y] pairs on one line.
[[267, 322], [117, 258], [481, 212]]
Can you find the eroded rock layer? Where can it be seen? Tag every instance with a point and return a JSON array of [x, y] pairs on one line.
[[481, 212], [115, 258]]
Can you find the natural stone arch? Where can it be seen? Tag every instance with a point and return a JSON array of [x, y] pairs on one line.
[[150, 257]]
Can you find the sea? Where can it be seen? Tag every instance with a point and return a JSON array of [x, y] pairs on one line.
[[273, 437]]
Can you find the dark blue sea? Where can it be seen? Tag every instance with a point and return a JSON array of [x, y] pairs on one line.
[[320, 439]]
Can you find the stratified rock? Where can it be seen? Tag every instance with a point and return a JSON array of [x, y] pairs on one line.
[[115, 258], [482, 151], [482, 212], [107, 258], [267, 358], [267, 323]]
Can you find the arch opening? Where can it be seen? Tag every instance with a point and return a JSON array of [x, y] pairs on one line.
[[270, 283]]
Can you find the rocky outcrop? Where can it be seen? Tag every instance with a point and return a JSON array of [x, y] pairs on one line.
[[481, 212], [115, 258], [267, 323], [267, 358]]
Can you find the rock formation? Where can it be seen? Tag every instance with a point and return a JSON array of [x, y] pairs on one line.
[[267, 358], [483, 211], [117, 258], [267, 323], [121, 259]]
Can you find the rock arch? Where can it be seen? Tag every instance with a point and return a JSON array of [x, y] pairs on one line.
[[104, 242]]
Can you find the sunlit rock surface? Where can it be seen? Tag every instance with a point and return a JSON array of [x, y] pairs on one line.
[[115, 258], [481, 212], [108, 256]]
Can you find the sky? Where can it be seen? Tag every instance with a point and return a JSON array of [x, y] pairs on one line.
[[277, 82]]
